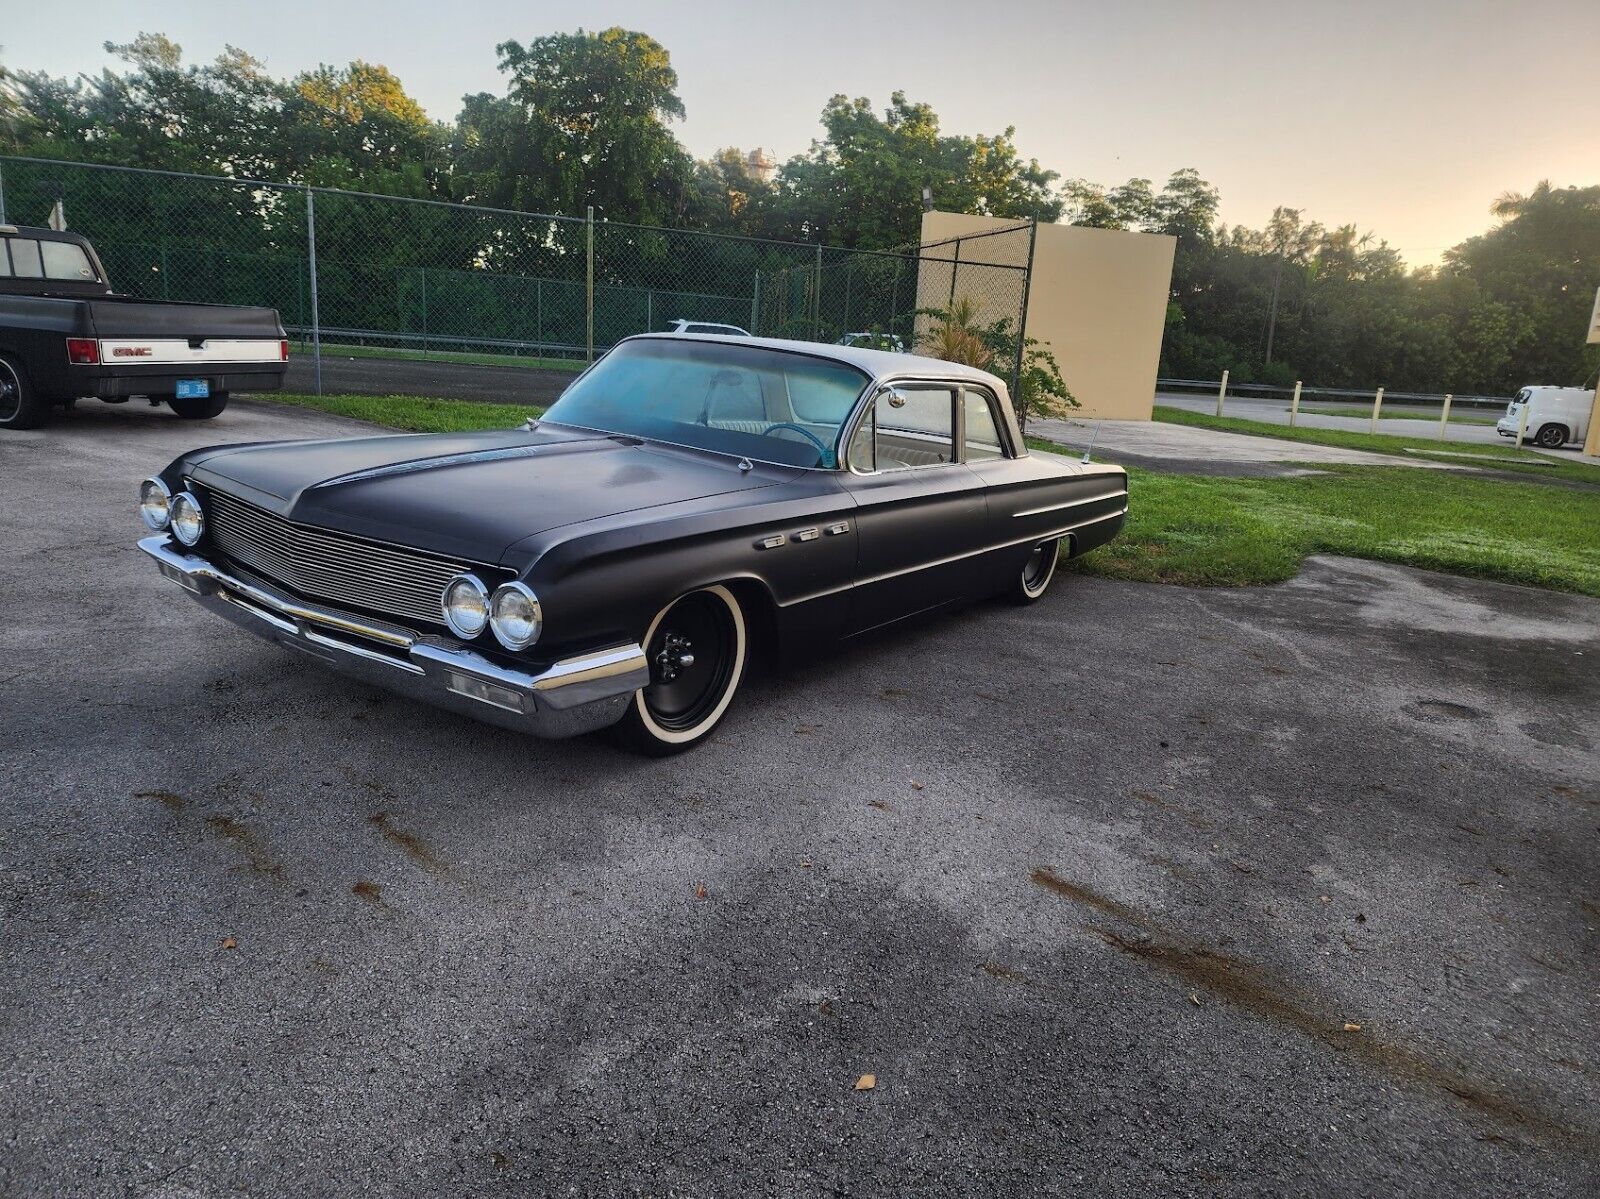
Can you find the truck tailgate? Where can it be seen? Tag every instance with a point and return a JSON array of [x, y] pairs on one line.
[[114, 317]]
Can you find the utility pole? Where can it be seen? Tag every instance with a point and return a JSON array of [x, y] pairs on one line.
[[1272, 320]]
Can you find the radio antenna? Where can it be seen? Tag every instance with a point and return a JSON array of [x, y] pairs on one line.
[[1093, 433]]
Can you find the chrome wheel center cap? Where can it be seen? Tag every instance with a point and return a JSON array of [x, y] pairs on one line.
[[674, 657]]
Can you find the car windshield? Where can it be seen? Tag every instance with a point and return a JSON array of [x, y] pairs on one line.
[[758, 403]]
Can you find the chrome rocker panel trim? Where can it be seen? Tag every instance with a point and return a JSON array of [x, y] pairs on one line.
[[575, 695]]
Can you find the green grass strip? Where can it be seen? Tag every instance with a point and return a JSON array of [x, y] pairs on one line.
[[1506, 457]]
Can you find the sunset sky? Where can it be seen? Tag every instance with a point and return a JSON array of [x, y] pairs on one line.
[[1406, 118]]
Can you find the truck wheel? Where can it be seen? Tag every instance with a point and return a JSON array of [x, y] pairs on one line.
[[697, 647], [1552, 437], [1037, 572], [20, 406], [204, 409]]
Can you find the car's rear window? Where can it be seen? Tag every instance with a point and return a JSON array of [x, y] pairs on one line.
[[30, 258]]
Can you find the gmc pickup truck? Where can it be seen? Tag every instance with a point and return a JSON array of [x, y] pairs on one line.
[[65, 334]]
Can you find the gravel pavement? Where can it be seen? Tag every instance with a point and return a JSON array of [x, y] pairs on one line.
[[1142, 890]]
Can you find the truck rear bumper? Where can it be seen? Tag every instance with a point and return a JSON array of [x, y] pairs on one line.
[[111, 382]]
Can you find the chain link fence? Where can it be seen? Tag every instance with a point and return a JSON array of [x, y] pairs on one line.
[[349, 268]]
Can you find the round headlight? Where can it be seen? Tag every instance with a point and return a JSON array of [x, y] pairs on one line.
[[466, 606], [155, 504], [188, 522], [515, 616]]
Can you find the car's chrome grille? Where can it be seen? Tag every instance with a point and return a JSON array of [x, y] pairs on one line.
[[328, 566]]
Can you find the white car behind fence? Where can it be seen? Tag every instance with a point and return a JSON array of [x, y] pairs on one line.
[[1556, 416]]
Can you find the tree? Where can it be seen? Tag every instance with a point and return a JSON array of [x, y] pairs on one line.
[[585, 121], [861, 185], [12, 113], [1542, 262], [357, 127], [725, 195], [955, 335]]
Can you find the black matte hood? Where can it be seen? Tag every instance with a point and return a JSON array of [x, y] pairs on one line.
[[469, 495]]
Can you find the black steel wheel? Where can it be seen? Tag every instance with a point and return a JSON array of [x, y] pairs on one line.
[[1552, 437], [20, 406], [1037, 572], [696, 648]]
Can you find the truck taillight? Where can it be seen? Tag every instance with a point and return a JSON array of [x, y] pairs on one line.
[[283, 349], [83, 351]]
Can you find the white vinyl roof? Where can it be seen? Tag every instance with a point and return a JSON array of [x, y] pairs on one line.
[[880, 364]]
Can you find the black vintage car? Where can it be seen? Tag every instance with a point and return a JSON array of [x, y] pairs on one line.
[[687, 501]]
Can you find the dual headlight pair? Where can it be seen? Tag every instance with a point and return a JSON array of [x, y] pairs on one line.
[[512, 612], [160, 509]]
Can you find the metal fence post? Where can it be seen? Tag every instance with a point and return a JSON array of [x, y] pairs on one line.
[[538, 313], [1444, 417], [1017, 398], [649, 310], [1294, 404], [816, 296], [316, 316], [755, 306], [1377, 408], [423, 271], [1222, 392], [589, 229], [2, 193]]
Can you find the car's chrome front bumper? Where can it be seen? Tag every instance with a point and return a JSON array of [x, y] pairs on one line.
[[571, 696]]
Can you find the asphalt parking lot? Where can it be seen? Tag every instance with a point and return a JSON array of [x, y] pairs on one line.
[[1141, 890]]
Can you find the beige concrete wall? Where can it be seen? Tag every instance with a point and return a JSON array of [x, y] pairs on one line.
[[1098, 300]]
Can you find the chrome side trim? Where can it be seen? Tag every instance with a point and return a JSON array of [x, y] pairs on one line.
[[574, 695], [1031, 538], [1092, 499]]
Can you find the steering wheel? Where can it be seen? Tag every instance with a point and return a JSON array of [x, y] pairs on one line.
[[822, 448]]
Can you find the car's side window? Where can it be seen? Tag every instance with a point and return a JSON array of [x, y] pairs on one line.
[[908, 426], [980, 434], [861, 456]]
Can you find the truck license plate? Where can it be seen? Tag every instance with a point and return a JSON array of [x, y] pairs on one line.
[[193, 389]]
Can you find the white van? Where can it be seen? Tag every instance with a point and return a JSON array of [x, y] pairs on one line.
[[1556, 415]]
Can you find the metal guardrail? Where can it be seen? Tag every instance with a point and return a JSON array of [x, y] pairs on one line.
[[1272, 391], [334, 339]]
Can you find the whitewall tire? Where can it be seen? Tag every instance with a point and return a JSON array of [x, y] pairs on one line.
[[697, 648]]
